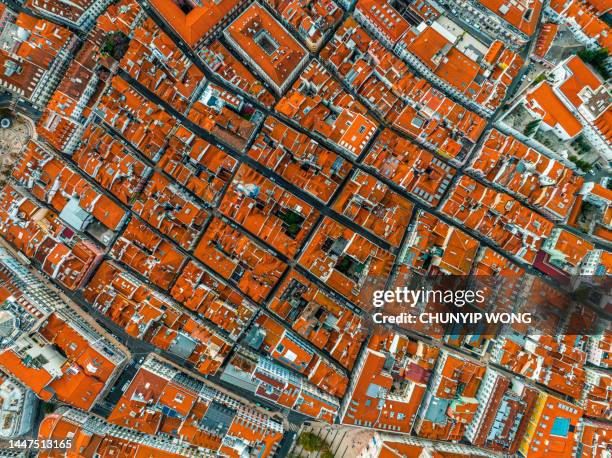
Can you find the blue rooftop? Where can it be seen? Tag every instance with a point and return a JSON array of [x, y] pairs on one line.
[[560, 427], [436, 412]]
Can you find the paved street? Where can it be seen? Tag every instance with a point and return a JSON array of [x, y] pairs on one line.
[[343, 442], [13, 140]]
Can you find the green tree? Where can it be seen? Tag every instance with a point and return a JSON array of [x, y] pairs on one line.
[[582, 144], [313, 443], [115, 44], [48, 408], [531, 127], [582, 165]]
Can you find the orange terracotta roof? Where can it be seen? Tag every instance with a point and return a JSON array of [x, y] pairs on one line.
[[523, 14], [268, 211], [235, 256], [581, 78], [502, 159], [343, 267], [272, 50], [384, 17], [554, 113], [550, 443], [219, 59], [199, 21], [545, 39], [574, 247]]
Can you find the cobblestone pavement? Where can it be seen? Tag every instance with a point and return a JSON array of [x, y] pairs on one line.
[[12, 143], [343, 442]]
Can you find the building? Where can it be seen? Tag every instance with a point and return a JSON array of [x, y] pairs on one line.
[[387, 445], [597, 263], [146, 314], [268, 211], [567, 251], [271, 339], [81, 14], [311, 21], [544, 42], [436, 247], [389, 382], [89, 433], [491, 264], [79, 203], [584, 20], [599, 349], [514, 23], [385, 84], [269, 380], [220, 60], [17, 407], [239, 259], [411, 167], [201, 292], [476, 73], [44, 241], [147, 253], [325, 322], [344, 260], [574, 101], [110, 163], [163, 401], [597, 223], [321, 105], [33, 55], [555, 361], [197, 23], [299, 159], [504, 409], [375, 207], [123, 16], [154, 60], [542, 103], [499, 217], [596, 394], [201, 168], [521, 16], [594, 439], [267, 46], [532, 177], [63, 120], [382, 20], [225, 115], [552, 430], [49, 346], [450, 403]]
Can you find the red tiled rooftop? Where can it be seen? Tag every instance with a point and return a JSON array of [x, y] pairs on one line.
[[299, 159], [193, 25], [545, 39], [340, 258], [375, 207], [268, 211], [554, 113], [267, 43], [384, 17], [236, 257], [581, 77], [523, 14]]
